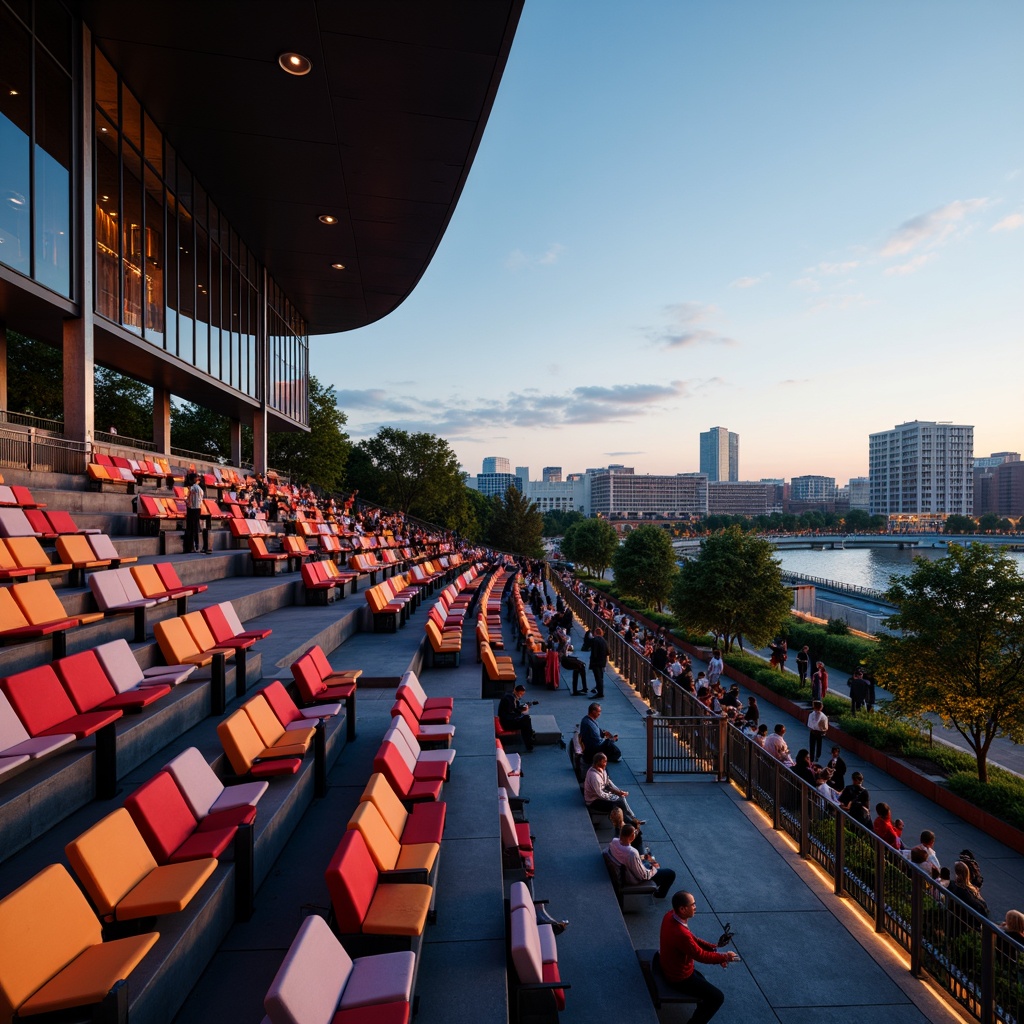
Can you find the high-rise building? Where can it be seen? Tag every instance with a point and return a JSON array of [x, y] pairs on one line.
[[860, 493], [743, 498], [999, 484], [618, 491], [551, 474], [922, 467], [720, 454], [812, 493], [496, 464]]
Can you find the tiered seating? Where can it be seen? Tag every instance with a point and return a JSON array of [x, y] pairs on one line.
[[52, 953], [124, 673], [497, 673], [540, 991], [91, 689], [116, 591], [178, 647], [28, 553], [516, 840], [265, 562], [324, 579], [9, 568], [445, 650], [318, 683]]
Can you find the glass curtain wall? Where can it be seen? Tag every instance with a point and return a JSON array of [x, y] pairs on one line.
[[35, 141], [169, 266]]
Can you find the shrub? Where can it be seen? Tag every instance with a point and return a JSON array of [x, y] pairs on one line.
[[1004, 798], [840, 651], [837, 627]]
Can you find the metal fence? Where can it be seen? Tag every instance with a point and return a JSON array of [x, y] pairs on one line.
[[41, 451], [965, 954]]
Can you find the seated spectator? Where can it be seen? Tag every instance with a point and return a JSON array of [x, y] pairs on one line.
[[858, 808], [514, 714], [962, 887], [883, 826], [823, 786], [600, 793], [639, 868], [1013, 925], [924, 853], [596, 740], [762, 735], [752, 715], [778, 747], [802, 767]]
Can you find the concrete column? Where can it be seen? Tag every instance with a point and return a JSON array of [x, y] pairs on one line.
[[3, 365], [162, 420], [259, 423], [235, 427], [259, 440], [79, 366]]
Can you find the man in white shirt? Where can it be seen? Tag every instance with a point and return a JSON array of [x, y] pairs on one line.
[[817, 726], [777, 746], [637, 868], [602, 794]]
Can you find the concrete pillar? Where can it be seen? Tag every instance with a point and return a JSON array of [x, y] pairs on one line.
[[259, 422], [162, 420], [235, 428], [3, 365], [79, 366], [259, 439]]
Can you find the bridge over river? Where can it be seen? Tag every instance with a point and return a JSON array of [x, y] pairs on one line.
[[689, 546]]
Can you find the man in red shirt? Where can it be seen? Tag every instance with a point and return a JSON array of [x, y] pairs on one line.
[[679, 948]]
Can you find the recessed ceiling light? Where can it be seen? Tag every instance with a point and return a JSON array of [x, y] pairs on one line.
[[103, 130], [104, 198], [327, 218], [337, 266], [295, 64], [13, 92]]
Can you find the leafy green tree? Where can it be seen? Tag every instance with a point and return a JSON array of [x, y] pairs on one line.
[[959, 649], [645, 566], [557, 521], [123, 403], [481, 512], [35, 377], [195, 428], [517, 524], [960, 525], [988, 523], [414, 473], [319, 457], [592, 543], [733, 589]]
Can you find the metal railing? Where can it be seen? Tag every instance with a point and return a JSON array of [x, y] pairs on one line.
[[845, 588], [41, 451], [975, 963]]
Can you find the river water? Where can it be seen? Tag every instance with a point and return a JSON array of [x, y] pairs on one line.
[[864, 567]]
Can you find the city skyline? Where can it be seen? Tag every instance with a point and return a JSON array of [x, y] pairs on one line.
[[804, 221]]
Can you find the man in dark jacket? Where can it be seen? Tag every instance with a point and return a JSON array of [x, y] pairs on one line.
[[598, 660]]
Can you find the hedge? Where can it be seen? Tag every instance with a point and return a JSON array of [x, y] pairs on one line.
[[843, 652]]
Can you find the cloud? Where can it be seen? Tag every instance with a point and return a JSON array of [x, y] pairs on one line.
[[685, 327], [1011, 222], [807, 284], [840, 302], [912, 265], [454, 417], [932, 229], [619, 455], [748, 282], [519, 260], [831, 269]]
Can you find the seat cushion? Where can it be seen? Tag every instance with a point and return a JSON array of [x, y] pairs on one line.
[[398, 910], [385, 978], [379, 1013]]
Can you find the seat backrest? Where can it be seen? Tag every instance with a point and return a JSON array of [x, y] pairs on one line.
[[263, 718], [85, 680], [14, 523], [312, 573], [519, 893], [39, 521], [234, 622], [108, 589], [61, 521], [319, 659], [309, 983], [352, 881], [148, 580], [412, 680], [130, 584], [74, 548], [509, 838], [218, 624], [197, 781], [406, 694], [12, 729], [200, 630], [44, 925], [400, 727], [526, 952], [7, 559], [119, 664], [378, 791], [402, 710], [162, 815], [27, 552], [38, 698], [434, 635], [258, 547], [383, 847], [11, 615], [176, 642], [306, 677], [110, 859], [169, 576], [240, 740], [102, 546], [391, 764], [490, 663], [281, 702], [38, 600]]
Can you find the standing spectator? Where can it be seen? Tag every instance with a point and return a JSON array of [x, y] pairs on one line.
[[598, 660], [783, 654], [817, 726], [803, 659], [858, 690], [193, 507], [715, 666], [838, 768], [819, 682], [639, 868]]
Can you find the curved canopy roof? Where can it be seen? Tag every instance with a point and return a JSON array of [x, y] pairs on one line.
[[380, 133]]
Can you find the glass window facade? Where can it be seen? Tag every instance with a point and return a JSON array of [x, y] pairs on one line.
[[35, 142], [170, 268]]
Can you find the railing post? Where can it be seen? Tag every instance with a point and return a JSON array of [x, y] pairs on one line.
[[840, 853], [805, 819], [879, 885], [776, 802], [723, 753], [650, 746], [988, 974], [916, 921], [751, 760], [31, 448]]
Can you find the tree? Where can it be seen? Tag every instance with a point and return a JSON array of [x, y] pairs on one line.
[[959, 525], [592, 543], [988, 523], [959, 651], [35, 377], [195, 428], [481, 512], [319, 457], [733, 589], [557, 521], [517, 524], [645, 566], [123, 403], [414, 473]]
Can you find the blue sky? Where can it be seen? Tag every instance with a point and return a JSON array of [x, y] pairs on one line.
[[803, 221]]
